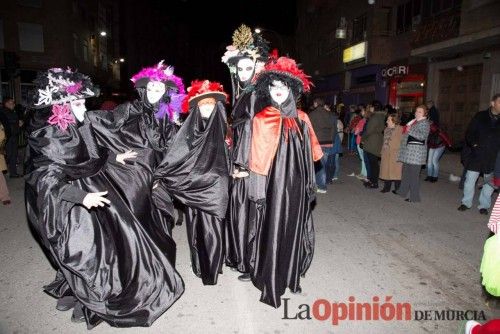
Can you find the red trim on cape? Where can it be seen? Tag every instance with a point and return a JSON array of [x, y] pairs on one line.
[[266, 131]]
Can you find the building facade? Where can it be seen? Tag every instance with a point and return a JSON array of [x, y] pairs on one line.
[[39, 34], [462, 45], [357, 52], [404, 52]]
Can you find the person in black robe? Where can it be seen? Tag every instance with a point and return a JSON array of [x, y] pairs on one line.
[[195, 171], [282, 183], [109, 266], [244, 60], [137, 135]]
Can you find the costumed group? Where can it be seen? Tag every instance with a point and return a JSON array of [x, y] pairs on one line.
[[104, 188]]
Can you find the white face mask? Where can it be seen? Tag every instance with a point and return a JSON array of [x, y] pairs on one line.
[[206, 109], [154, 91], [245, 69], [279, 91], [78, 109]]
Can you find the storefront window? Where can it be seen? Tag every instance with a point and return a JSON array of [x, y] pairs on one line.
[[5, 90]]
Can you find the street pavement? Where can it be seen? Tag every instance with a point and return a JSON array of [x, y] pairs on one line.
[[368, 245]]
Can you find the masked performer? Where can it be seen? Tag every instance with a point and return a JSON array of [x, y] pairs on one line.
[[244, 58], [195, 171], [137, 135], [109, 266], [282, 184]]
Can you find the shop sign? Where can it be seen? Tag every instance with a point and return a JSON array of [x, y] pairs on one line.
[[355, 52], [395, 71]]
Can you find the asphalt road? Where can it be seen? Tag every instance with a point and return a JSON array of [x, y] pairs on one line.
[[368, 245]]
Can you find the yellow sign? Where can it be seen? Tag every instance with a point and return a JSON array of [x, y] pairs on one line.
[[355, 52]]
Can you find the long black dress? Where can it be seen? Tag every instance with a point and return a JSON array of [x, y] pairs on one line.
[[195, 172], [107, 258], [237, 254], [133, 126], [281, 229]]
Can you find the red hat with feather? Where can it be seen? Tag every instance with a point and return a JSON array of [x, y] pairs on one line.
[[201, 89], [288, 68]]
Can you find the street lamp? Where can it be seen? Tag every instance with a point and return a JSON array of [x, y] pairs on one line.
[[122, 60], [341, 31], [103, 33]]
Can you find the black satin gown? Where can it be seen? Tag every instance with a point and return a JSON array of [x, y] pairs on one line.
[[281, 226], [107, 257], [195, 171], [133, 126], [237, 254]]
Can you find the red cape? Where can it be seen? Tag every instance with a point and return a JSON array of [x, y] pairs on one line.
[[266, 136]]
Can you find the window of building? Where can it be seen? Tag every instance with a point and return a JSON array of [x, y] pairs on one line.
[[104, 62], [389, 27], [359, 29], [85, 51], [416, 7], [26, 90], [31, 37], [5, 90], [408, 15], [30, 3], [76, 47], [2, 46], [434, 7]]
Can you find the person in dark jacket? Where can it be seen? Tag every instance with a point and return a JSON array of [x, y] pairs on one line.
[[12, 124], [433, 112], [324, 124], [483, 137], [437, 142], [372, 140]]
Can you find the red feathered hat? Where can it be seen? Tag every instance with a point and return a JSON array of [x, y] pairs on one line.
[[201, 89], [289, 68]]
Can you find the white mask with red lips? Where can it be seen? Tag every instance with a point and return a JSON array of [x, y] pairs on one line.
[[279, 91]]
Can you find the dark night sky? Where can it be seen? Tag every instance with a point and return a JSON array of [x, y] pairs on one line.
[[192, 35], [211, 19]]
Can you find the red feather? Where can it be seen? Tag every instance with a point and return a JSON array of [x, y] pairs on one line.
[[274, 54], [199, 87], [289, 66]]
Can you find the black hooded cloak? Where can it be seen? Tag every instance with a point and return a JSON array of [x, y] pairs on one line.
[[195, 171]]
